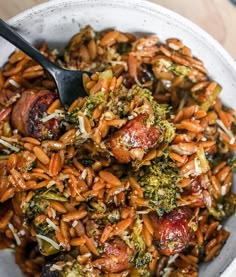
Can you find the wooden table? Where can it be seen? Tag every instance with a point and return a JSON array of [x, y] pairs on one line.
[[217, 17]]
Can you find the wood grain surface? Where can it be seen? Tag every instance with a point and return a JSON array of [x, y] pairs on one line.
[[217, 17]]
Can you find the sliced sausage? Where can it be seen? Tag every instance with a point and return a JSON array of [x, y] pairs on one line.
[[28, 112], [133, 140], [117, 256], [173, 232]]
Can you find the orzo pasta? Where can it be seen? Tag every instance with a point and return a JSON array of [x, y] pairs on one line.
[[134, 179]]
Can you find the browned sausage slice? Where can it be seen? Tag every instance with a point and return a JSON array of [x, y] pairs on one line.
[[28, 112], [133, 140], [117, 256], [173, 231]]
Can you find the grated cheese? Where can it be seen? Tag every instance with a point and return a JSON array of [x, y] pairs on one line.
[[56, 267], [56, 114], [77, 133], [142, 212], [165, 63], [69, 263], [172, 259], [81, 125], [228, 132], [173, 46], [137, 81], [55, 52], [67, 193], [84, 174], [167, 271], [166, 83], [130, 117], [197, 167], [87, 255], [53, 213], [21, 233], [7, 139], [96, 179], [17, 239], [219, 227], [10, 146], [51, 183], [52, 224], [75, 223], [223, 190], [52, 242], [119, 190], [232, 140], [6, 151], [14, 83], [63, 177]]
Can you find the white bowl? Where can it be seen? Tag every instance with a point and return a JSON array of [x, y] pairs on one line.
[[56, 21]]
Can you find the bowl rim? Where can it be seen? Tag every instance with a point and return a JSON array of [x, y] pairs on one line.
[[145, 5]]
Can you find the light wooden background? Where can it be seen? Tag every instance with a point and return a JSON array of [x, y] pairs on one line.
[[217, 17]]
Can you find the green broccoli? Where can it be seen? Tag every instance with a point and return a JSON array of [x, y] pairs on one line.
[[91, 103], [211, 99], [160, 115], [72, 271], [159, 185], [229, 204], [43, 229], [36, 206], [78, 270], [40, 201], [232, 163], [224, 207], [141, 257], [180, 70]]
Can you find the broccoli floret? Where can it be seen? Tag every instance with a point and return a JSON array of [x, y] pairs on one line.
[[91, 103], [78, 270], [180, 70], [38, 206], [118, 102], [72, 271], [113, 216], [211, 99], [141, 257], [159, 185], [159, 118], [229, 204], [35, 207], [232, 163], [225, 207], [44, 229], [40, 201], [72, 118]]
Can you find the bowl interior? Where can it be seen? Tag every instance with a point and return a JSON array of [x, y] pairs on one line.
[[56, 21]]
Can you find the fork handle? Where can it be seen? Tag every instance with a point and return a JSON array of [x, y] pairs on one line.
[[13, 37]]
